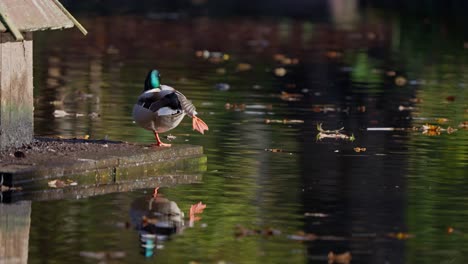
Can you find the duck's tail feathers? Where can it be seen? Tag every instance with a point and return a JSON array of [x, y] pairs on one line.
[[199, 125]]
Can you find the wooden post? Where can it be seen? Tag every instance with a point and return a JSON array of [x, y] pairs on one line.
[[15, 222], [16, 90]]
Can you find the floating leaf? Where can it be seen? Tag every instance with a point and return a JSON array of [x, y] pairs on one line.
[[61, 183], [463, 125], [60, 113], [274, 150], [358, 149], [343, 258], [400, 81], [241, 231], [334, 134], [450, 230], [301, 236], [284, 121], [450, 98], [244, 67], [316, 215], [291, 96], [280, 72], [400, 235]]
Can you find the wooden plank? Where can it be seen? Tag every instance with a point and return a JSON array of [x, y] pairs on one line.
[[16, 91], [9, 24], [77, 24], [33, 15]]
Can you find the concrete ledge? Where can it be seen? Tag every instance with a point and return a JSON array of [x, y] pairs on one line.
[[97, 166]]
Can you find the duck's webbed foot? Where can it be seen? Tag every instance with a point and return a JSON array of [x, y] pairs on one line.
[[159, 143]]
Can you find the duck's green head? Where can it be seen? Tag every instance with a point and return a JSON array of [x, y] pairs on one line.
[[153, 80]]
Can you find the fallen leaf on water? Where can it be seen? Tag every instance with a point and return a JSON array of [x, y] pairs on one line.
[[463, 125], [391, 73], [170, 137], [284, 121], [274, 150], [333, 54], [343, 258], [450, 230], [291, 96], [238, 107], [221, 71], [280, 72], [279, 57], [4, 188], [334, 134], [241, 231], [442, 120], [405, 108], [416, 100], [61, 184], [450, 98], [316, 214], [302, 236], [358, 149], [60, 113], [243, 67], [400, 81], [400, 235]]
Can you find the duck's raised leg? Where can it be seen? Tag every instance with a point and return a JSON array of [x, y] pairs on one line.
[[158, 141], [199, 125]]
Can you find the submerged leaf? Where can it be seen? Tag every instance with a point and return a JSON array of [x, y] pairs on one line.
[[343, 258]]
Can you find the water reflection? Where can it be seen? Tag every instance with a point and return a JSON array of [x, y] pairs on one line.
[[157, 218], [15, 222], [391, 203]]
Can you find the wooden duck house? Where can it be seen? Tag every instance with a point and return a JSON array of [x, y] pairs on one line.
[[18, 20]]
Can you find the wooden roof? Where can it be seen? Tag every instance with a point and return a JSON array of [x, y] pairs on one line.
[[32, 15]]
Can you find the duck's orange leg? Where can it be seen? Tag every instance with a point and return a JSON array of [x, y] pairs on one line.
[[199, 125], [159, 142]]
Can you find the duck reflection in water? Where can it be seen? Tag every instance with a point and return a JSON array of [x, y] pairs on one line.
[[157, 218]]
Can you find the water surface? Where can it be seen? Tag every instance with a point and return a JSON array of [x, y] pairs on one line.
[[402, 200]]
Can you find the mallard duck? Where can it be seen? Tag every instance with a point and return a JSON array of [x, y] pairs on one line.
[[161, 108]]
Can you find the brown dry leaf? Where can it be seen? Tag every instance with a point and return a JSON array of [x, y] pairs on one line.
[[244, 67], [391, 73], [61, 183], [463, 125], [400, 81], [280, 72], [274, 150], [400, 235], [284, 121], [291, 97], [302, 236], [333, 54], [359, 149], [238, 107], [343, 258], [361, 108], [241, 231], [279, 57], [442, 120]]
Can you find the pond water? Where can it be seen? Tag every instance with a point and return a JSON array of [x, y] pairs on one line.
[[386, 189]]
